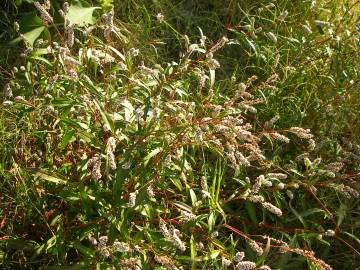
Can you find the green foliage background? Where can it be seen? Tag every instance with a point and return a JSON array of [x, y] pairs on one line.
[[318, 88]]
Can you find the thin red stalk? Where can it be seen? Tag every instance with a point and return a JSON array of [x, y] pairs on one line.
[[347, 244], [331, 216]]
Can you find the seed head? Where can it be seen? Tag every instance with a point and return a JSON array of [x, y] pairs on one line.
[[8, 90], [264, 267], [239, 256], [19, 99], [45, 16], [246, 265], [213, 63], [255, 247], [281, 186], [131, 262], [307, 29], [279, 137], [272, 208], [16, 26], [105, 252], [301, 133], [150, 191], [329, 233], [219, 44], [121, 247], [160, 17], [111, 160], [277, 175], [103, 241], [256, 198], [321, 23], [163, 229], [132, 199], [187, 215], [111, 144], [272, 37], [96, 170], [66, 7], [225, 262]]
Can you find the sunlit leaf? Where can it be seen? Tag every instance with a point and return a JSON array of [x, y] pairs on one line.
[[82, 16]]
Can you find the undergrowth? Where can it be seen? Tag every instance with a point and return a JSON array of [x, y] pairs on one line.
[[181, 135]]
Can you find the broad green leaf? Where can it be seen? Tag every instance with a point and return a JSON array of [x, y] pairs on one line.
[[193, 197], [42, 59], [70, 122], [252, 45], [81, 16], [129, 109], [104, 114], [32, 35], [66, 139], [214, 254], [44, 247], [31, 26], [212, 77], [56, 219], [19, 244], [177, 183], [341, 213], [84, 250], [211, 221], [152, 154], [183, 206], [50, 178], [121, 56]]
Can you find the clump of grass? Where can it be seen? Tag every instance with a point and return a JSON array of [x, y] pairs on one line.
[[130, 161]]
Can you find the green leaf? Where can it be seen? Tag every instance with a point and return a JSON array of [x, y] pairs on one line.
[[212, 77], [31, 26], [42, 175], [177, 183], [81, 16], [341, 213], [252, 45], [78, 266], [70, 122], [66, 139], [193, 252], [32, 35], [308, 213], [265, 253], [211, 221], [353, 237], [214, 254], [297, 214], [84, 250], [42, 59], [128, 108], [44, 247], [152, 154], [251, 212], [193, 197], [104, 115], [121, 56]]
